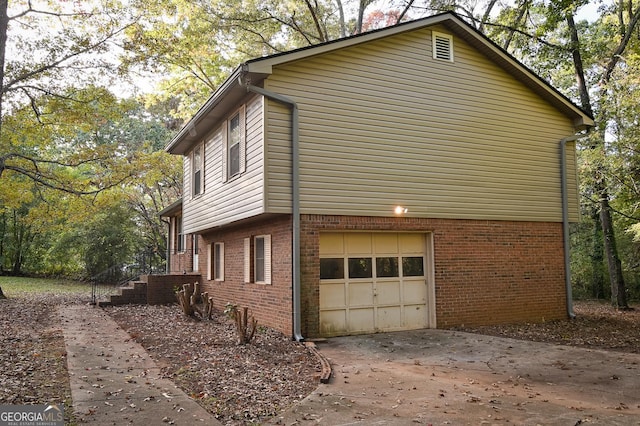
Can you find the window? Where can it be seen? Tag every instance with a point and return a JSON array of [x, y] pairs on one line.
[[412, 266], [262, 267], [209, 262], [235, 145], [360, 267], [257, 259], [332, 268], [181, 238], [247, 260], [197, 167], [196, 251], [442, 46], [386, 267], [218, 261]]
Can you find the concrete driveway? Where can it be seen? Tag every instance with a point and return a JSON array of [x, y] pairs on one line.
[[440, 377]]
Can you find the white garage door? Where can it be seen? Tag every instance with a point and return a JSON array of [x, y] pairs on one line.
[[373, 282]]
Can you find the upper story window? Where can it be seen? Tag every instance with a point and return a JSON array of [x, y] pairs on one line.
[[442, 46], [197, 166], [235, 145]]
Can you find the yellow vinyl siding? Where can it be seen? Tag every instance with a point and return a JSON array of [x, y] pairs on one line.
[[240, 197], [384, 123], [278, 158]]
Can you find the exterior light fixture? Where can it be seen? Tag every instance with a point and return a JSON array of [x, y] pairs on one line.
[[400, 210]]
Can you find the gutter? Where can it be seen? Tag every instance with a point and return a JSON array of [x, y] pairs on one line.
[[565, 220], [295, 196]]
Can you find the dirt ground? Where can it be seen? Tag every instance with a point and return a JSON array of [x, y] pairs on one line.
[[33, 363]]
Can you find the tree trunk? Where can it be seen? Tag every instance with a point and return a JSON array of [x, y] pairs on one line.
[[597, 258], [2, 296], [4, 25], [618, 288]]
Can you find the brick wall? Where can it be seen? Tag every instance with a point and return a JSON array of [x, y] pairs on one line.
[[486, 272], [161, 288], [271, 304], [182, 262]]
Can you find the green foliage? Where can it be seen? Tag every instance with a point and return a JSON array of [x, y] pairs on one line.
[[16, 286], [124, 142]]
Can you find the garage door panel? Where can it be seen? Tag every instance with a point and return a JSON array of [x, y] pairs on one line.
[[389, 318], [333, 322], [412, 243], [374, 281], [415, 292], [388, 293], [360, 320], [331, 243], [357, 243], [333, 296], [385, 244], [415, 316], [360, 294]]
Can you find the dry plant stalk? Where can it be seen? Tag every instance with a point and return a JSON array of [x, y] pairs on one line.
[[245, 326], [184, 297], [189, 298]]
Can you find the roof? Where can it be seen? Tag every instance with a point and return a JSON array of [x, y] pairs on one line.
[[171, 210], [231, 92]]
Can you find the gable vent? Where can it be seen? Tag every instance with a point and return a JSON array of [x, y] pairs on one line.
[[442, 47]]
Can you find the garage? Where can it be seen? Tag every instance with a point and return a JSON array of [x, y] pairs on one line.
[[375, 282]]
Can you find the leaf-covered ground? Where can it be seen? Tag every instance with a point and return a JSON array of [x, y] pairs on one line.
[[597, 325], [240, 384], [33, 366]]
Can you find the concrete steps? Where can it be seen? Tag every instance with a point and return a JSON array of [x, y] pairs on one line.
[[135, 292]]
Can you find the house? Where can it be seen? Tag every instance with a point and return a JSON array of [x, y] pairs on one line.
[[409, 177]]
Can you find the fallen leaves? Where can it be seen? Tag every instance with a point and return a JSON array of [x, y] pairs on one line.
[[239, 384], [597, 325], [32, 351]]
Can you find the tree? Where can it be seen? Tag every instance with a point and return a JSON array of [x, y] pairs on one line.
[[51, 56], [551, 35]]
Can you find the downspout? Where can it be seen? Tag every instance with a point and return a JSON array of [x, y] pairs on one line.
[[295, 198], [565, 220]]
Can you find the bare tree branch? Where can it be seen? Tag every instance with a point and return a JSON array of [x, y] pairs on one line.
[[617, 54], [526, 34], [406, 9], [322, 36]]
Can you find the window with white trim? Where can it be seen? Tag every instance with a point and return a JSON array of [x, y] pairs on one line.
[[247, 260], [181, 238], [257, 259], [209, 262], [442, 46], [218, 261], [197, 168], [234, 157]]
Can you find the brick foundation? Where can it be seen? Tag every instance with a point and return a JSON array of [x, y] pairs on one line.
[[486, 272], [271, 304]]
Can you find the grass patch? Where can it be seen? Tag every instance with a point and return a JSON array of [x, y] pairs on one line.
[[21, 285]]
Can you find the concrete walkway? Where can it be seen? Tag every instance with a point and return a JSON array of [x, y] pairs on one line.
[[113, 379]]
